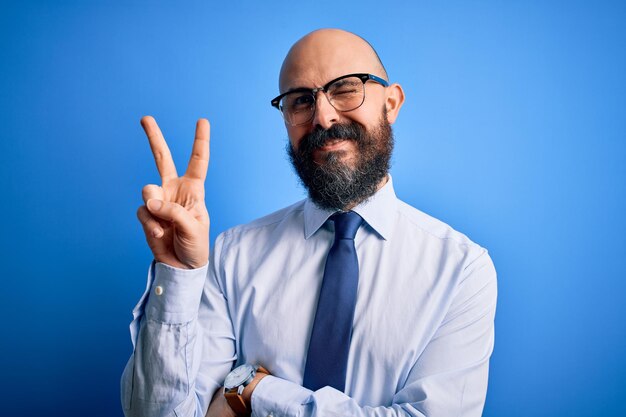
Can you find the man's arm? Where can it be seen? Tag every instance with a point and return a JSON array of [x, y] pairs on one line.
[[449, 378], [181, 352], [181, 327]]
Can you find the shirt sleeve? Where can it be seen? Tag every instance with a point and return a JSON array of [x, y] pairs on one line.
[[183, 344], [448, 379]]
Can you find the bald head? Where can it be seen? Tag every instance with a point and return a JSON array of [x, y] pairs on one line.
[[326, 54]]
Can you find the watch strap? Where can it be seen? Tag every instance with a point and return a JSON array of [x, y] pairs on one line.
[[236, 403], [235, 400]]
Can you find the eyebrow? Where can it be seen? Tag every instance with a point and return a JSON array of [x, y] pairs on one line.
[[297, 89]]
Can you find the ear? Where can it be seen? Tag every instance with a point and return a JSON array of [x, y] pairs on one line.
[[394, 98]]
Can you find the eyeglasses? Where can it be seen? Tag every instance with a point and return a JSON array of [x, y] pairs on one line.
[[345, 93]]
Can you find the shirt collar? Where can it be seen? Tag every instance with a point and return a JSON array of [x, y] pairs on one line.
[[379, 212]]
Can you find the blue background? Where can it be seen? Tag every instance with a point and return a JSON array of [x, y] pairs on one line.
[[513, 132]]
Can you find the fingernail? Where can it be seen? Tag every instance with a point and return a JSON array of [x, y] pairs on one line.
[[157, 232], [154, 204]]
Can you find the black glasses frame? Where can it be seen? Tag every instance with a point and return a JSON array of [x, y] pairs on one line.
[[362, 76]]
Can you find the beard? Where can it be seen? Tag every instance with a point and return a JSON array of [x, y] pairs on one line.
[[336, 185]]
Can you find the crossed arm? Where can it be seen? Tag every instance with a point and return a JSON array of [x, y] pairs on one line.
[[185, 346]]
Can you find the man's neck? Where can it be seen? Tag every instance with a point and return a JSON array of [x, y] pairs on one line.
[[380, 185]]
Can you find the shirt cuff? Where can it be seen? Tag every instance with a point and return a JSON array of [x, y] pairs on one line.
[[278, 398], [175, 294]]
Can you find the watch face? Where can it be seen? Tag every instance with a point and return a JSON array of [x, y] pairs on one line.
[[238, 376]]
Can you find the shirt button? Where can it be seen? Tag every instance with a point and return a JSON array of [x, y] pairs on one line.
[[158, 290]]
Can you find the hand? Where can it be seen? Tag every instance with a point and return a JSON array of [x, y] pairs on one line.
[[174, 216], [219, 407]]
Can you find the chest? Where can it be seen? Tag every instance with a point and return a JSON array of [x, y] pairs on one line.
[[401, 299]]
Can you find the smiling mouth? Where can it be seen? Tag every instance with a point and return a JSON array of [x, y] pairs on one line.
[[332, 144]]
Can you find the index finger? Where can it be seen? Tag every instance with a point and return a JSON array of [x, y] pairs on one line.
[[199, 161], [162, 154]]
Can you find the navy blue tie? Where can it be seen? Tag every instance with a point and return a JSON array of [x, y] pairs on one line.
[[327, 357]]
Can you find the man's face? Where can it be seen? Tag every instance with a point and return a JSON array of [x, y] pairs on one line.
[[341, 157]]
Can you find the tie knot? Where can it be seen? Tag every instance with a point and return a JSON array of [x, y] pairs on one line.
[[346, 224]]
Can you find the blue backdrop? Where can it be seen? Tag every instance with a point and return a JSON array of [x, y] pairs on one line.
[[513, 132]]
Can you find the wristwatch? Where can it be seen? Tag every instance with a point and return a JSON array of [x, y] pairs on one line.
[[234, 384]]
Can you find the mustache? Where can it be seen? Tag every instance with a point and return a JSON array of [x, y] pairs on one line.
[[318, 137]]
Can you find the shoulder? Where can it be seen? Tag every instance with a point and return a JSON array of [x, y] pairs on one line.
[[287, 217], [449, 248], [434, 232], [429, 225]]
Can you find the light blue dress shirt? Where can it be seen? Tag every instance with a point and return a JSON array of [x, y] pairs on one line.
[[422, 336]]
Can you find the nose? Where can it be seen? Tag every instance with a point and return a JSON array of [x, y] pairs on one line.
[[325, 114]]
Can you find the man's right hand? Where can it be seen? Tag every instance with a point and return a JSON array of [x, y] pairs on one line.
[[174, 216]]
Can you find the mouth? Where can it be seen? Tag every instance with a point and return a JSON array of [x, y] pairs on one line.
[[333, 145]]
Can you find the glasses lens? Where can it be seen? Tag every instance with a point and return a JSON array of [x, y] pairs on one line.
[[347, 93], [297, 107]]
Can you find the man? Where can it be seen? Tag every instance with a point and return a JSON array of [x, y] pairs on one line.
[[349, 303]]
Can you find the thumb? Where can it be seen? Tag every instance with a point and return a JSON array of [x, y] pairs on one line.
[[154, 205], [174, 213]]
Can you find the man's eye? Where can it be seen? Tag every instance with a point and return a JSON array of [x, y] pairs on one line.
[[299, 102], [345, 90], [346, 87], [302, 100]]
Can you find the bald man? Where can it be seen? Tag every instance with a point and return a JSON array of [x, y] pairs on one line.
[[348, 303]]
